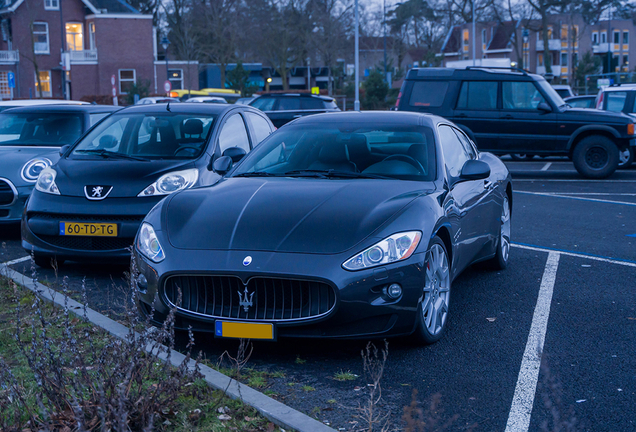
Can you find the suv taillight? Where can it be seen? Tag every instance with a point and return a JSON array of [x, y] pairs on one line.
[[599, 102], [397, 102]]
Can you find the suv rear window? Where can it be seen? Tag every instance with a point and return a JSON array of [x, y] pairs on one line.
[[310, 103], [615, 100], [428, 93]]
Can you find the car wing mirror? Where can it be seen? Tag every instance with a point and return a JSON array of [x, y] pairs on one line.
[[222, 165], [475, 170], [236, 153], [63, 149], [544, 107]]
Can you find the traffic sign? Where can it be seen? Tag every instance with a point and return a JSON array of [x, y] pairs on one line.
[[603, 82], [114, 92], [11, 79], [112, 80], [315, 90], [167, 86]]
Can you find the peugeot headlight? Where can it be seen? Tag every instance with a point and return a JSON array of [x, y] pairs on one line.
[[394, 248], [148, 243], [46, 181], [172, 182], [32, 169]]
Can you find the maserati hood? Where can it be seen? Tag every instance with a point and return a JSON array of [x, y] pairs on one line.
[[285, 214]]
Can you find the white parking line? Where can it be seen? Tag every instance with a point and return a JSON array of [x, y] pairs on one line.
[[572, 180], [590, 193], [523, 399], [15, 261], [577, 255], [575, 198], [546, 166]]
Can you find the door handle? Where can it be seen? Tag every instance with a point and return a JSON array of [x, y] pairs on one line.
[[507, 117], [461, 116], [487, 184], [298, 116]]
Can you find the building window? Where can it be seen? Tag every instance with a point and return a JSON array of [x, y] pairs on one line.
[[564, 59], [575, 36], [5, 91], [127, 78], [617, 37], [526, 60], [91, 35], [484, 32], [74, 37], [603, 37], [40, 38], [564, 32], [52, 4], [176, 78], [626, 61], [575, 59], [594, 38], [625, 37], [45, 82], [539, 59], [465, 40]]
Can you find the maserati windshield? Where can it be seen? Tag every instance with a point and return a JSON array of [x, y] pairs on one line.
[[40, 129], [352, 151]]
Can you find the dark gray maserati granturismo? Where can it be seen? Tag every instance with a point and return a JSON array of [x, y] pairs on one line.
[[337, 225]]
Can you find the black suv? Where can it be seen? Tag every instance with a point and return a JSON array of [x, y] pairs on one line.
[[283, 108], [508, 111]]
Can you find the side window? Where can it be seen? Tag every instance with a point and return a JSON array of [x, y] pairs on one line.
[[520, 95], [289, 104], [478, 95], [615, 101], [234, 134], [310, 103], [470, 149], [264, 103], [260, 125], [454, 153]]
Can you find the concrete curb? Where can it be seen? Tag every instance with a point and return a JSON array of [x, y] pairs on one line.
[[279, 413]]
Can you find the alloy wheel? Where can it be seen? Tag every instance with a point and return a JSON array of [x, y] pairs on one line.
[[434, 306], [623, 156], [504, 240]]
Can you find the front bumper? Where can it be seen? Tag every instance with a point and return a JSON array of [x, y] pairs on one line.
[[361, 308], [44, 212], [14, 199]]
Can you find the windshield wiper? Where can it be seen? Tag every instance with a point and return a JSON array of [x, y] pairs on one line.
[[111, 154], [332, 174], [256, 174]]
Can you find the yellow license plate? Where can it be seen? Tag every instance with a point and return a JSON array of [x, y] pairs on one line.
[[88, 229], [243, 330]]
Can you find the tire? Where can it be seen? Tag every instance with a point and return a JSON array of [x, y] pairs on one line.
[[502, 256], [625, 158], [432, 311], [521, 156], [45, 261], [595, 157]]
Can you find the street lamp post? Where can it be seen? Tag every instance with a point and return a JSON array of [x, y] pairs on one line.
[[164, 43], [356, 103]]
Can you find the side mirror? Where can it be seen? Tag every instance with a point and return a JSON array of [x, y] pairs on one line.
[[222, 165], [475, 170], [544, 107], [63, 149], [236, 153]]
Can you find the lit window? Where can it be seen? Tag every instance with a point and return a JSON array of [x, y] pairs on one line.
[[127, 79], [5, 91], [45, 82], [51, 4], [465, 40], [74, 37], [564, 32], [539, 59], [175, 76], [40, 38]]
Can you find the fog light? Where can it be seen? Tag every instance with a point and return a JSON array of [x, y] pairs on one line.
[[394, 291], [142, 283]]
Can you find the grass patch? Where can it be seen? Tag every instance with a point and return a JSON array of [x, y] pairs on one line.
[[345, 376], [307, 388]]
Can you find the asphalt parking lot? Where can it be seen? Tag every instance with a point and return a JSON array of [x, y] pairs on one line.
[[568, 294]]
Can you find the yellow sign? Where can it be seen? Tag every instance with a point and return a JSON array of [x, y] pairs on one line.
[[315, 90]]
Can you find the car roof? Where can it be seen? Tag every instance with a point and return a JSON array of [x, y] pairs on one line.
[[327, 98], [398, 117], [471, 73], [185, 108], [33, 102], [561, 86], [89, 108], [580, 97], [620, 87]]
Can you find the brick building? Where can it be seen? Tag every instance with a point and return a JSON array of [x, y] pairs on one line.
[[77, 46], [570, 37]]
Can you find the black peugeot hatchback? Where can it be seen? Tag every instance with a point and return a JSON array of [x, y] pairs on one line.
[[90, 204]]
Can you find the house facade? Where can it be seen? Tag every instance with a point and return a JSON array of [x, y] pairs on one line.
[[76, 49], [569, 38]]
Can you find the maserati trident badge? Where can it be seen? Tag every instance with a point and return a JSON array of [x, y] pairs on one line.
[[245, 301], [247, 260]]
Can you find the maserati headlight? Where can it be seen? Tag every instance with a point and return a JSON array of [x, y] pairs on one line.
[[32, 169], [148, 243], [172, 182], [46, 181], [394, 248]]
